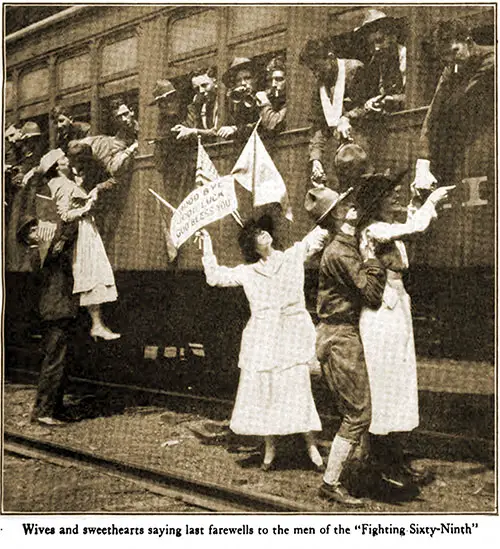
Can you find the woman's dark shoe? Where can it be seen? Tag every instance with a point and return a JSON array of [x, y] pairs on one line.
[[339, 494], [318, 467]]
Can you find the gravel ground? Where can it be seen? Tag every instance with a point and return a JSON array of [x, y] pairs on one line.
[[34, 486], [155, 437]]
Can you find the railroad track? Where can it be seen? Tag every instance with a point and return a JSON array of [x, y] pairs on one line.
[[483, 447], [205, 495]]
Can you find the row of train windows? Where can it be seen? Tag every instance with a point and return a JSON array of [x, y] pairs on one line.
[[482, 35]]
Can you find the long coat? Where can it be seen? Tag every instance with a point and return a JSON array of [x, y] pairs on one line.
[[274, 391], [463, 103], [387, 332], [280, 332]]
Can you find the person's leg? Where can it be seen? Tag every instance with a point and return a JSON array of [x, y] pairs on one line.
[[52, 373], [98, 328], [269, 452], [313, 451], [345, 372]]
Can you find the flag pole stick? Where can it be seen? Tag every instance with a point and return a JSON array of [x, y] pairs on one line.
[[162, 200], [254, 163]]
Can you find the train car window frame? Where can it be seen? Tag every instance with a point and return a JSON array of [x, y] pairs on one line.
[[131, 32], [196, 52], [28, 69], [64, 57], [262, 32]]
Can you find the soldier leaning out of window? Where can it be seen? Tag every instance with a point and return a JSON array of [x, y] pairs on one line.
[[203, 111]]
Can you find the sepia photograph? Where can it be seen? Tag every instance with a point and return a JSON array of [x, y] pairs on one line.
[[249, 268]]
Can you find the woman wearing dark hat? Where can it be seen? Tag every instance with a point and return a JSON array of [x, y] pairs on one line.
[[277, 349], [387, 332], [94, 281]]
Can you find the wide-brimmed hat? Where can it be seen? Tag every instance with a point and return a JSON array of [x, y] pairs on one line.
[[238, 64], [351, 162], [320, 201], [49, 159], [163, 88], [376, 19], [24, 226], [373, 187], [30, 129]]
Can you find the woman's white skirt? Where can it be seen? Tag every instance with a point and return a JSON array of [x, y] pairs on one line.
[[276, 402], [92, 272], [389, 349]]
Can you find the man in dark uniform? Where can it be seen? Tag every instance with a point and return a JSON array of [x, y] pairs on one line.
[[18, 258], [67, 129], [462, 105], [58, 307], [240, 80], [337, 103], [379, 39], [116, 153], [272, 101], [203, 112], [346, 283]]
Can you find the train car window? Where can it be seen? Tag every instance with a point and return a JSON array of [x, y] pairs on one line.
[[130, 98], [34, 85], [73, 72], [192, 33], [246, 20], [80, 112], [119, 57]]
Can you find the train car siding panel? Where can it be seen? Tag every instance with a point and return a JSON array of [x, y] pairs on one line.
[[452, 269]]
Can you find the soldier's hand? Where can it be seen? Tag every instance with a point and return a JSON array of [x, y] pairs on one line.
[[183, 132], [46, 231], [424, 181], [318, 172], [262, 99], [367, 246], [58, 247], [374, 104], [226, 131], [343, 129], [28, 176]]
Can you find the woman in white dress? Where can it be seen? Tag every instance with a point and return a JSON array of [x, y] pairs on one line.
[[92, 273], [387, 333], [274, 394]]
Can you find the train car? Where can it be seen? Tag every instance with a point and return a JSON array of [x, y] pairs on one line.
[[85, 56]]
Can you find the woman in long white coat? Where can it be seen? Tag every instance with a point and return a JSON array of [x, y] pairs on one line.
[[387, 333], [93, 276], [274, 394]]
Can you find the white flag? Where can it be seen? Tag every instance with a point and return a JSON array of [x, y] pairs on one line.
[[255, 171]]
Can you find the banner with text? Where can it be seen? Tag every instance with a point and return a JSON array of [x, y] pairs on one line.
[[203, 206]]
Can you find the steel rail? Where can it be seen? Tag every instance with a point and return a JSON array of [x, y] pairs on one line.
[[199, 493], [435, 436]]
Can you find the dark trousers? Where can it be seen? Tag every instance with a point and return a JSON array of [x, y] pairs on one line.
[[53, 370], [340, 352]]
